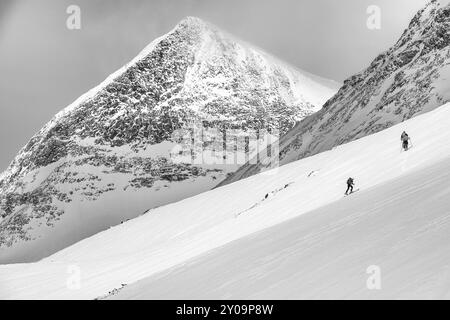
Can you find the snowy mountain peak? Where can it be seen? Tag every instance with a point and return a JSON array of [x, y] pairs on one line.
[[193, 26], [114, 152], [424, 14], [429, 25], [193, 22]]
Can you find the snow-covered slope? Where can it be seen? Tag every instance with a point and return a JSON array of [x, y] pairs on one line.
[[410, 78], [115, 152], [390, 181], [400, 228]]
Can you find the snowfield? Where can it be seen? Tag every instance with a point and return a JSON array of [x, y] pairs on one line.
[[401, 227], [306, 240]]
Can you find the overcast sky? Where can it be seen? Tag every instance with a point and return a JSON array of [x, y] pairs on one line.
[[44, 66]]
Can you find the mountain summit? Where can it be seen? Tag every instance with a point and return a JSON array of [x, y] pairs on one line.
[[411, 78], [108, 157]]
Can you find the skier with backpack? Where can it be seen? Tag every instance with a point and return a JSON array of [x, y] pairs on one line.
[[350, 184], [405, 141]]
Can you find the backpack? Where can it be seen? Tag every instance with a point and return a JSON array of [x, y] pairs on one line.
[[405, 136]]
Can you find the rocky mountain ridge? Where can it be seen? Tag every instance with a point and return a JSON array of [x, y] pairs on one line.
[[410, 78]]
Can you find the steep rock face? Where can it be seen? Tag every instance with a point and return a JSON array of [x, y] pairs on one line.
[[109, 156], [410, 78]]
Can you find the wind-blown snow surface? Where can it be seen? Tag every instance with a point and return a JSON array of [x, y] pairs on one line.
[[110, 155], [398, 220], [401, 227]]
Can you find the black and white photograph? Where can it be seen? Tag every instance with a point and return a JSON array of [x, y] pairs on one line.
[[224, 150]]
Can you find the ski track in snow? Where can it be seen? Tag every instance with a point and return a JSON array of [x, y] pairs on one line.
[[267, 197], [318, 254]]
